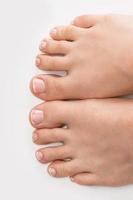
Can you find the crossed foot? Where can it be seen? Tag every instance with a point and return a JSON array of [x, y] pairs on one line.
[[97, 145]]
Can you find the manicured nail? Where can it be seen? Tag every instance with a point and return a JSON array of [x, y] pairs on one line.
[[53, 32], [52, 172], [34, 137], [38, 85], [43, 45], [38, 61], [39, 155], [36, 117]]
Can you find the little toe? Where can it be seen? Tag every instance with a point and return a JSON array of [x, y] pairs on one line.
[[55, 47], [87, 179], [87, 21], [49, 115], [49, 62], [50, 154], [49, 87], [47, 136], [63, 168], [70, 33]]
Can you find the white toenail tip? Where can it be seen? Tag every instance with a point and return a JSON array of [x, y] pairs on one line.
[[38, 85], [34, 137], [36, 117], [53, 31], [43, 44], [39, 155], [38, 61], [52, 172]]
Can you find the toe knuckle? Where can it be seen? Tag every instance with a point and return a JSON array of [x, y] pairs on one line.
[[46, 155], [47, 108], [52, 46], [49, 154], [48, 45], [48, 61], [46, 134], [60, 45], [60, 31], [61, 170], [69, 30], [65, 31], [57, 86], [57, 62]]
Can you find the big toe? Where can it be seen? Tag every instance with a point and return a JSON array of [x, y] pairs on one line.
[[50, 115], [87, 21], [48, 87]]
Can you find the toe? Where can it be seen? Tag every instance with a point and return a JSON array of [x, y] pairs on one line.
[[69, 33], [63, 168], [49, 62], [49, 115], [87, 21], [55, 47], [50, 154], [49, 87], [47, 136], [86, 179]]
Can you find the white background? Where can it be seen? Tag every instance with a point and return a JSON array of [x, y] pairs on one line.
[[23, 23]]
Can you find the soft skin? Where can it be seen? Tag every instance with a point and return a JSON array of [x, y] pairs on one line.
[[97, 56], [97, 145]]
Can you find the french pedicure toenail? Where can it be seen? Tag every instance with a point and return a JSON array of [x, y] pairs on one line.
[[53, 32], [39, 155], [36, 117], [38, 85], [43, 45], [34, 137], [52, 172], [38, 61]]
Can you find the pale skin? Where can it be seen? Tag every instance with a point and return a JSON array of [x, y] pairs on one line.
[[98, 60], [96, 52], [98, 140]]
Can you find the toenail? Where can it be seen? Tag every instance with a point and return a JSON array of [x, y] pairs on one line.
[[39, 155], [38, 61], [36, 117], [52, 171], [53, 32], [38, 85], [35, 137], [43, 45]]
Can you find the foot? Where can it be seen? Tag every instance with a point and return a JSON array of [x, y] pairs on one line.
[[98, 60], [97, 146]]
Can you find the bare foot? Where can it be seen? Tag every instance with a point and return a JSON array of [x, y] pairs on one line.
[[98, 60], [97, 145]]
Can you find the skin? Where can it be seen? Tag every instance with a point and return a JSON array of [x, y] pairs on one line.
[[97, 148], [97, 145], [96, 53]]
